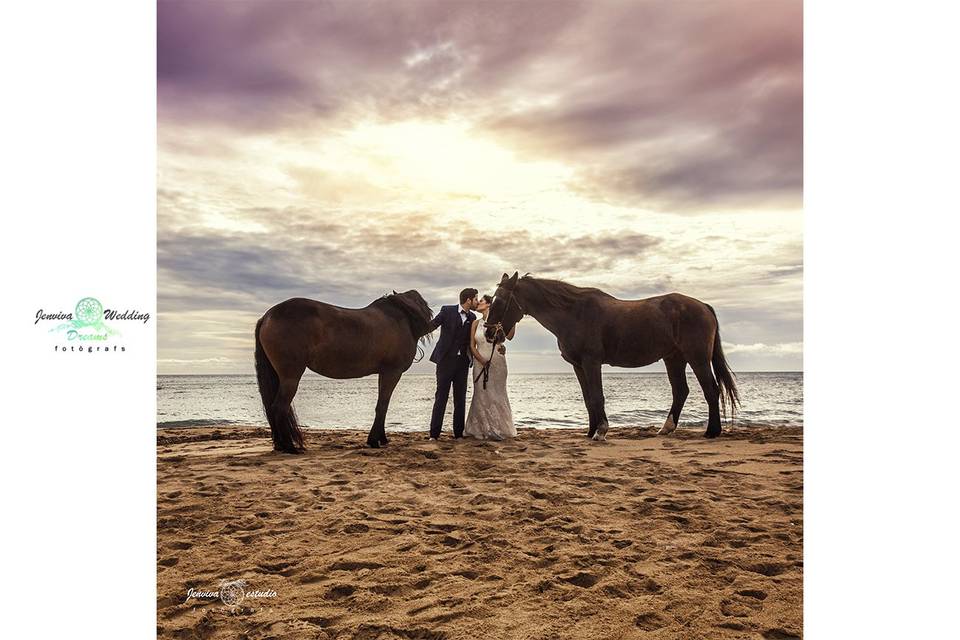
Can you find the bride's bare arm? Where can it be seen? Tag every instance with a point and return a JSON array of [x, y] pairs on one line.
[[473, 343], [512, 333]]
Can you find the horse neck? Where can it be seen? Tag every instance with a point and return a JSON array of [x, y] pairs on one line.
[[552, 318], [418, 326], [420, 330]]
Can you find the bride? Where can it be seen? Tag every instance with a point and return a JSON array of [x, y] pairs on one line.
[[490, 416]]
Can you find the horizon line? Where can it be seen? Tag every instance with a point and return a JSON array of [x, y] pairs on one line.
[[518, 373]]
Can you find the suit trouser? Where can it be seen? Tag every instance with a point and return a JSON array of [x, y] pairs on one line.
[[452, 370]]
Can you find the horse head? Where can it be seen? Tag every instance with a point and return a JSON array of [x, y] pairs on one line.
[[505, 311]]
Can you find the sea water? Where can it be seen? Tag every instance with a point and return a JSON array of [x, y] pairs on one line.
[[549, 401]]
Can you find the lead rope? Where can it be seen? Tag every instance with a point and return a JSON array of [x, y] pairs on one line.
[[485, 371]]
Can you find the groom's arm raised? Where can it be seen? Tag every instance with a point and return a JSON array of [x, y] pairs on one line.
[[436, 322]]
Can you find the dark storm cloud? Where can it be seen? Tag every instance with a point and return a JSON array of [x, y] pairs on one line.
[[268, 64], [691, 104], [673, 105]]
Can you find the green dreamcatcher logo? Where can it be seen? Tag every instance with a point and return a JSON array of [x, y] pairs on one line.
[[87, 322]]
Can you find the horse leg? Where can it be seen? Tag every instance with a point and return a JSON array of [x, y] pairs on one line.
[[387, 383], [677, 373], [595, 392], [585, 390], [287, 436], [711, 392]]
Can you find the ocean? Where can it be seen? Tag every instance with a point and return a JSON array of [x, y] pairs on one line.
[[551, 401]]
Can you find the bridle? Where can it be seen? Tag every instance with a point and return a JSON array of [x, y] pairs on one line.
[[485, 372]]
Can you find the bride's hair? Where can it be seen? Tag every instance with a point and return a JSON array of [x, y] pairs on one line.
[[487, 298]]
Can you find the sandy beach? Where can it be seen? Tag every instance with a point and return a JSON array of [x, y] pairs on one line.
[[546, 536]]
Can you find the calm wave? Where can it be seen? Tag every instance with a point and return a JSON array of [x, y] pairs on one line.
[[538, 400]]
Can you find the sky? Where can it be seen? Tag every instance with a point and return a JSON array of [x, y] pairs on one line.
[[342, 150]]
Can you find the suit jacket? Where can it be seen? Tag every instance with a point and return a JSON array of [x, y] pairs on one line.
[[450, 329]]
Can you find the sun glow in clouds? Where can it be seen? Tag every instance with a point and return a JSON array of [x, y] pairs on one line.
[[443, 167], [445, 157]]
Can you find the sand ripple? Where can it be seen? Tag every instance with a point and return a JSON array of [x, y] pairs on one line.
[[546, 536]]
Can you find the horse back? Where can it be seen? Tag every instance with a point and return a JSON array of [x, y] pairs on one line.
[[640, 332], [335, 341]]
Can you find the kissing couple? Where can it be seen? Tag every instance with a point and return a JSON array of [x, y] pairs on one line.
[[462, 346]]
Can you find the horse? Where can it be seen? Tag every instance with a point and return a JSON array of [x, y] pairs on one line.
[[594, 328], [337, 343]]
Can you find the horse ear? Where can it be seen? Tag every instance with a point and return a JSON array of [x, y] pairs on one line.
[[504, 278], [516, 274], [394, 292]]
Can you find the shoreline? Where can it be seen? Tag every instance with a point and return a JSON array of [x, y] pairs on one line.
[[691, 427], [548, 535]]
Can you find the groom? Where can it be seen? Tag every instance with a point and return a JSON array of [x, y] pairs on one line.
[[453, 358]]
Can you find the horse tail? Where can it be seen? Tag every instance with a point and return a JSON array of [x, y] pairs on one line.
[[726, 379], [286, 432]]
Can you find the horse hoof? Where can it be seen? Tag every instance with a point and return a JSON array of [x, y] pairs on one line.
[[384, 443], [293, 450], [711, 434], [373, 444], [668, 427]]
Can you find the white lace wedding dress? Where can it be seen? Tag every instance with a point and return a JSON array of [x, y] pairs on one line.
[[490, 417]]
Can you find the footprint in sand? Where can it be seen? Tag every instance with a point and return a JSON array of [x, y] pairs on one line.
[[779, 634], [340, 591], [740, 607], [581, 579], [356, 527], [423, 584], [278, 567], [650, 621], [388, 589], [766, 568], [469, 575], [311, 578]]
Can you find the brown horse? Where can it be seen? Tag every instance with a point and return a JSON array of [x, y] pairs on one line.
[[594, 328], [335, 342]]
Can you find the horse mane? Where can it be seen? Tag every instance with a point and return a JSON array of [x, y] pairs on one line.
[[561, 294], [415, 308]]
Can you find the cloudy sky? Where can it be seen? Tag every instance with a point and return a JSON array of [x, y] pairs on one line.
[[338, 150]]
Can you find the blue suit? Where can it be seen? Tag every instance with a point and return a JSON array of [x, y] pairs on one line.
[[450, 323], [452, 356]]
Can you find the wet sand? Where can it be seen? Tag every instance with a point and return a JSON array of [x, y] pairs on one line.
[[546, 536]]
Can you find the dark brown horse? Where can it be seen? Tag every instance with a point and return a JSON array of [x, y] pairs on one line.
[[594, 328], [335, 342]]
